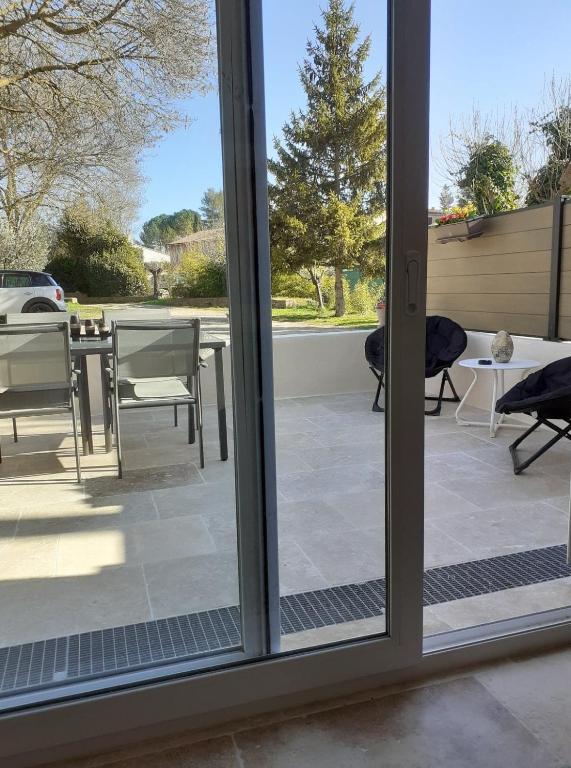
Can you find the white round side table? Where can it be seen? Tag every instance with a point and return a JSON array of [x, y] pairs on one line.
[[496, 420]]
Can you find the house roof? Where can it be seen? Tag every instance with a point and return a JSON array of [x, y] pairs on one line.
[[202, 236]]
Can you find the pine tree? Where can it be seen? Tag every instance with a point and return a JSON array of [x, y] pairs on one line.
[[212, 208], [446, 198], [328, 196]]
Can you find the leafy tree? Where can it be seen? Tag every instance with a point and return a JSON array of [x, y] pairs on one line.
[[164, 228], [85, 86], [212, 208], [92, 256], [327, 197], [446, 199], [488, 177], [554, 176], [26, 247]]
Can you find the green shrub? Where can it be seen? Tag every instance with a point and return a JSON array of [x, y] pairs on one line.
[[292, 286], [199, 277], [362, 299], [328, 289], [117, 273], [92, 256], [109, 273], [69, 272]]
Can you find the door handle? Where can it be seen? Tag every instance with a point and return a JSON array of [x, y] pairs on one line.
[[412, 282]]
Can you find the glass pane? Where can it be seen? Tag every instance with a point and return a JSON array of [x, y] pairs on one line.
[[16, 281], [326, 124], [496, 508], [121, 572]]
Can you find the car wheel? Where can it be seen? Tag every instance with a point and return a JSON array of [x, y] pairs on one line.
[[40, 306]]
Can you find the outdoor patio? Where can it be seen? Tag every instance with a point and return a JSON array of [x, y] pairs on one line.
[[161, 542]]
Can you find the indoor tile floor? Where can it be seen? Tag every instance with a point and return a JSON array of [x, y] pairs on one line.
[[506, 715]]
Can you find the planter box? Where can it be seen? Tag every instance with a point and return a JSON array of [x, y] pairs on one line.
[[459, 231]]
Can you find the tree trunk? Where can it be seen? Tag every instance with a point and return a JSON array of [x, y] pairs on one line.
[[339, 295], [155, 274], [318, 292]]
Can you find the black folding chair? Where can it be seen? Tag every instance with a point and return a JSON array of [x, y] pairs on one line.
[[445, 342], [546, 395]]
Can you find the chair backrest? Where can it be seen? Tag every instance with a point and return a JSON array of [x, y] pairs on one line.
[[35, 357], [445, 342], [37, 318], [145, 350], [136, 313]]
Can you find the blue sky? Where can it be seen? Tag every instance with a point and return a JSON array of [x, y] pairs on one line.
[[487, 54]]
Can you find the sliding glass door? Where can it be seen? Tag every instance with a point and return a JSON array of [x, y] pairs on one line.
[[347, 132], [315, 532]]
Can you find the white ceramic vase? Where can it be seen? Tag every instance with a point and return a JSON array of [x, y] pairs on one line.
[[502, 347]]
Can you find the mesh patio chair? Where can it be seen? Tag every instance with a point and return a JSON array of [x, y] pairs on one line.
[[32, 318], [156, 365], [36, 376], [137, 313], [445, 342], [545, 395]]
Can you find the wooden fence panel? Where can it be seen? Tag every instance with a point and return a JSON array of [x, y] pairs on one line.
[[565, 290], [500, 280]]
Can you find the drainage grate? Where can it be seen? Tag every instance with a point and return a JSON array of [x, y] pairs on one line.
[[68, 659]]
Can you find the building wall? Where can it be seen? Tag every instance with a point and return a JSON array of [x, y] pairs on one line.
[[208, 242]]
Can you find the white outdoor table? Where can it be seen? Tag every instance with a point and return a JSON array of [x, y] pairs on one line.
[[496, 420]]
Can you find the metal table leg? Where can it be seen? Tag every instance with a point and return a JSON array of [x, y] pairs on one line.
[[221, 404], [85, 407], [192, 386], [107, 411], [459, 419]]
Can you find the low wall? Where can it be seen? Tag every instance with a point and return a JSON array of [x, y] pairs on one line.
[[175, 302], [328, 363], [304, 364]]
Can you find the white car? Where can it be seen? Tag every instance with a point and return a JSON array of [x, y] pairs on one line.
[[27, 291]]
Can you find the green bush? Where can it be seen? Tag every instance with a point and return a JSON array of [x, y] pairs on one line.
[[292, 286], [69, 272], [117, 273], [93, 257], [362, 299], [109, 273], [199, 277], [328, 290]]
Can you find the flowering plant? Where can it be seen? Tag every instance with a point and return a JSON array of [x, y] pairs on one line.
[[458, 213]]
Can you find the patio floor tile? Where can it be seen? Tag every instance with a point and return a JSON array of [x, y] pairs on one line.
[[169, 528]]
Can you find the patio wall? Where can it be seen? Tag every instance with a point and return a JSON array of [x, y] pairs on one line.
[[304, 364], [328, 363]]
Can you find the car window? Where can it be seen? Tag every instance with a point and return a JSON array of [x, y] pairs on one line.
[[17, 281], [41, 280]]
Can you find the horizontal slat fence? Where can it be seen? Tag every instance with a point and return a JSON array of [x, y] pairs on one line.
[[503, 279], [565, 292]]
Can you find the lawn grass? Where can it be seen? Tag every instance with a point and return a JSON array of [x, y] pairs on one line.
[[307, 315], [86, 311], [311, 316]]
